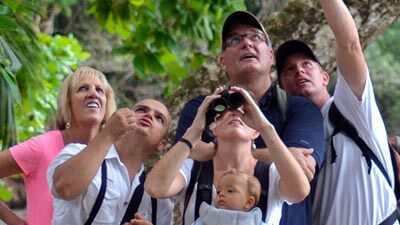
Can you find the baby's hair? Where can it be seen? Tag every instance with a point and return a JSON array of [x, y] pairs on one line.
[[253, 184]]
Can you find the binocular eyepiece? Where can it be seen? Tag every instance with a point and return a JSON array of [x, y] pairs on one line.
[[218, 106], [227, 101]]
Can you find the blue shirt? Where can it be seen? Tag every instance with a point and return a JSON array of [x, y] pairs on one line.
[[303, 128]]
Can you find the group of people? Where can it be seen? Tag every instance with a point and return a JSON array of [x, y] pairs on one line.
[[276, 159]]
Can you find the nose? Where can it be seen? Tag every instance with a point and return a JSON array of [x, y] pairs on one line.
[[149, 114], [246, 42], [92, 92]]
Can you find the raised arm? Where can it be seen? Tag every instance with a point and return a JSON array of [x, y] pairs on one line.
[[349, 55], [165, 180], [72, 178], [291, 174]]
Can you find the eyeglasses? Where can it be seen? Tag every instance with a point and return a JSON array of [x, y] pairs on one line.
[[234, 40]]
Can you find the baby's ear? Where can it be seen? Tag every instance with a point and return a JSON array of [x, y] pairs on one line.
[[250, 203]]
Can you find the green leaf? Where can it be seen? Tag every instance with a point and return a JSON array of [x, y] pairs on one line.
[[137, 3], [7, 23], [139, 63], [4, 10], [152, 63]]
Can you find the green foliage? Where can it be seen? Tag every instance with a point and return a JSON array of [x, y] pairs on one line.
[[383, 56], [169, 39], [5, 194], [31, 68]]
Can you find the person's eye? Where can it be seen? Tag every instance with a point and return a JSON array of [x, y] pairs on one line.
[[307, 64], [288, 71], [231, 190], [160, 119], [140, 110], [83, 88], [234, 40], [100, 90], [256, 37]]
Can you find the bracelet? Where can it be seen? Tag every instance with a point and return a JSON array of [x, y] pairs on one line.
[[187, 142]]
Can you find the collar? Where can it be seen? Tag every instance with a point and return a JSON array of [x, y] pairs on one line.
[[267, 98], [210, 215]]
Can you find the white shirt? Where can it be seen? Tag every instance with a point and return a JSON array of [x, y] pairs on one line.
[[346, 193], [118, 194], [274, 204]]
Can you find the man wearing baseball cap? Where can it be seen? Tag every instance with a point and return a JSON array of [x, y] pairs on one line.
[[351, 187], [247, 58]]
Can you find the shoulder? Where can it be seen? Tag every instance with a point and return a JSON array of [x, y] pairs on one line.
[[299, 104], [195, 102]]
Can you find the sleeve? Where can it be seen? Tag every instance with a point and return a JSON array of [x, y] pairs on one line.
[[304, 127], [28, 153], [187, 116], [67, 152]]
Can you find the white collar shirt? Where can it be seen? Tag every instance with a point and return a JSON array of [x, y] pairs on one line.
[[118, 194], [346, 193]]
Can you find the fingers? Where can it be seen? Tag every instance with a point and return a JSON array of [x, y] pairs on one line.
[[139, 216], [305, 159]]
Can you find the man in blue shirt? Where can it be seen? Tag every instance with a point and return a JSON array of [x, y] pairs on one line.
[[247, 57]]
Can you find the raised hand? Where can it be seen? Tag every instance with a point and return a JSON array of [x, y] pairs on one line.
[[120, 122], [253, 116]]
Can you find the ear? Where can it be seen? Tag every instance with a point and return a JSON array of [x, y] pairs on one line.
[[325, 78], [250, 203], [161, 145], [222, 61]]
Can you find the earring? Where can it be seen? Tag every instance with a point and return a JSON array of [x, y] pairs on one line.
[[68, 125], [253, 145]]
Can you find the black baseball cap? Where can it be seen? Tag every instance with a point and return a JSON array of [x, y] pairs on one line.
[[290, 48], [241, 17]]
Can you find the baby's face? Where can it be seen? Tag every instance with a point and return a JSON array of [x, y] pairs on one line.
[[232, 193]]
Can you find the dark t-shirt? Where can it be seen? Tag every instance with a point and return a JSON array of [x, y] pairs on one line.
[[303, 128]]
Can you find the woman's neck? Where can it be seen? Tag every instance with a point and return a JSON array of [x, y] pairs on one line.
[[81, 134], [234, 155]]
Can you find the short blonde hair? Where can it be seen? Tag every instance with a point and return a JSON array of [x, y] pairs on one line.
[[253, 184], [63, 114]]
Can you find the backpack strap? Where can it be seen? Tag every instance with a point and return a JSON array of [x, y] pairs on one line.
[[100, 196], [262, 173], [204, 186], [282, 100], [135, 200], [194, 176], [343, 125], [154, 211]]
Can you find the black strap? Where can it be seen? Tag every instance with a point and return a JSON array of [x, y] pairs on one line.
[[100, 196], [343, 125], [391, 219], [154, 211], [194, 175], [204, 186], [135, 200], [262, 173]]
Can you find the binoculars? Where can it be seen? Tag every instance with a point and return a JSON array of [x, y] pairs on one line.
[[227, 101], [218, 106]]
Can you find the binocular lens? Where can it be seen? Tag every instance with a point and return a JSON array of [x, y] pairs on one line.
[[236, 100], [219, 105]]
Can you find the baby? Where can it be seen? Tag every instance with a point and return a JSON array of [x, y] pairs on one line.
[[237, 195]]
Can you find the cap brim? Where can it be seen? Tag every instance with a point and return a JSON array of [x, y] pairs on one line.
[[290, 48]]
